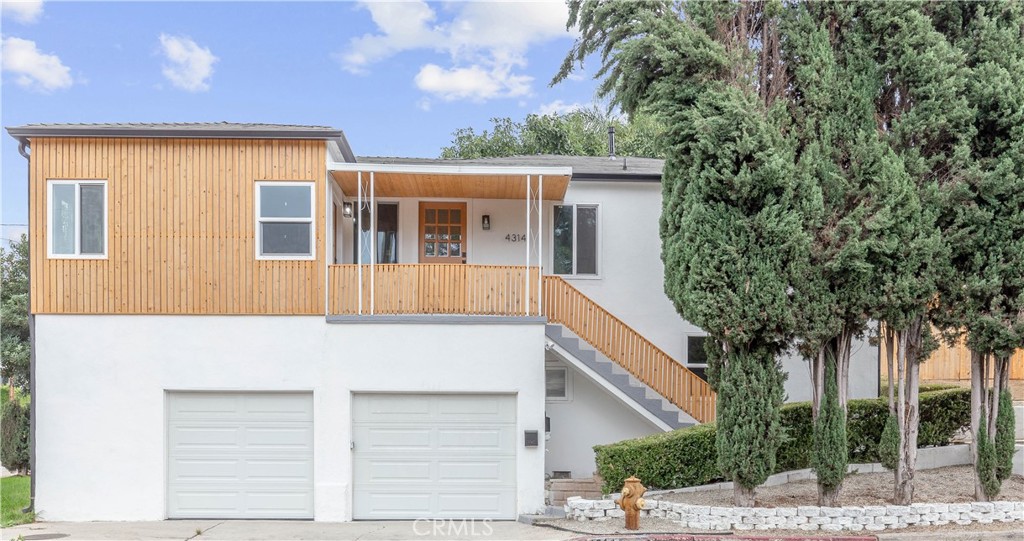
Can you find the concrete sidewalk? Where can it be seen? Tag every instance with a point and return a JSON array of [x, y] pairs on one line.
[[272, 530]]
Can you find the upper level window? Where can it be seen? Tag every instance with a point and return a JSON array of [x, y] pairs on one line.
[[575, 232], [284, 220], [78, 219]]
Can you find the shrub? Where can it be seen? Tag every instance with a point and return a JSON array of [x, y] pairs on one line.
[[750, 394], [889, 444], [14, 434], [1005, 436], [830, 452], [687, 457]]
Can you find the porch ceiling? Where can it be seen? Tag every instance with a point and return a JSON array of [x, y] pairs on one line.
[[462, 183]]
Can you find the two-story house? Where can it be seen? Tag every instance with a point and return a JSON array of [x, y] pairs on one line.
[[247, 321]]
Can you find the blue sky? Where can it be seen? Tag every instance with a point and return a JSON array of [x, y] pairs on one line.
[[398, 77]]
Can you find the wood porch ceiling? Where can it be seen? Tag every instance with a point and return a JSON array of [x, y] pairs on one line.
[[451, 185]]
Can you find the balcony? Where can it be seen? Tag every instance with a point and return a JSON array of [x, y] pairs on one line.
[[435, 289]]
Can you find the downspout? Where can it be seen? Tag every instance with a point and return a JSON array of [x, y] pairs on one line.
[[23, 148]]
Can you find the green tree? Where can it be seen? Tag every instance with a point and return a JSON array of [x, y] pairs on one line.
[[829, 457], [982, 299], [731, 226], [14, 331], [582, 132]]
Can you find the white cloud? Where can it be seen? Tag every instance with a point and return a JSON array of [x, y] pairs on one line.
[[190, 66], [424, 104], [474, 83], [24, 11], [32, 68], [559, 107], [485, 41]]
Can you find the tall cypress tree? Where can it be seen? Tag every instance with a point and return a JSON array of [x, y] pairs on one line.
[[982, 299], [732, 226]]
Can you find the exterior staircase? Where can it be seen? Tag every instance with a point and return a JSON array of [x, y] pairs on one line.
[[647, 398], [610, 347]]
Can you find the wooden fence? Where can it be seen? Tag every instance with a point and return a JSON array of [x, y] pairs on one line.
[[953, 363]]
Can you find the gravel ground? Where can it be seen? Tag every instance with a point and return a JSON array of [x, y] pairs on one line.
[[953, 484], [661, 525]]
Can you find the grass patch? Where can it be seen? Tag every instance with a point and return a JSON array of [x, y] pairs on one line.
[[14, 496]]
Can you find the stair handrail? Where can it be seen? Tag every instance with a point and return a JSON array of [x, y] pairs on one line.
[[570, 307]]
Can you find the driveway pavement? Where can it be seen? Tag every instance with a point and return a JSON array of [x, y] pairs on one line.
[[232, 530]]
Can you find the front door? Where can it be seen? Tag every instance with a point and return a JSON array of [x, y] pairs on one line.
[[442, 232]]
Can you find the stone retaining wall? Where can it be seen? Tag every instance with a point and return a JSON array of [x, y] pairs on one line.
[[809, 518]]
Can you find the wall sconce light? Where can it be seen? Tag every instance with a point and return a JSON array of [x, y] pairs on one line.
[[486, 222], [346, 209]]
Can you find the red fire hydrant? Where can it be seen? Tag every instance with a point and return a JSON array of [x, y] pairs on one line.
[[632, 502]]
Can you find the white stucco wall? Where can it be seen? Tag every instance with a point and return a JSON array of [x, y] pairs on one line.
[[101, 383], [591, 416]]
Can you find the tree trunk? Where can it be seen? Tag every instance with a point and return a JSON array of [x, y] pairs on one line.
[[977, 400], [890, 345], [908, 370], [828, 498], [742, 496]]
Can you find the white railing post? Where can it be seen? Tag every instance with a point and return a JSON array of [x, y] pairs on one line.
[[373, 245], [528, 233], [359, 239], [540, 247]]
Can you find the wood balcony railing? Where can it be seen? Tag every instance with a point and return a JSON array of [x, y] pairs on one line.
[[492, 290], [566, 305]]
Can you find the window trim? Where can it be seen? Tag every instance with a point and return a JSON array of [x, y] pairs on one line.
[[77, 183], [688, 337], [259, 219], [598, 237], [568, 382]]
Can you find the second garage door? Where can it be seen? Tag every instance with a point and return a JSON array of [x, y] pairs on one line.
[[434, 456]]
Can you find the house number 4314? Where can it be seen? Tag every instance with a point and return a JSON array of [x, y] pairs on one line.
[[515, 237]]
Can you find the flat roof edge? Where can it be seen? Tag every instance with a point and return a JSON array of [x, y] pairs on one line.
[[449, 169], [171, 133]]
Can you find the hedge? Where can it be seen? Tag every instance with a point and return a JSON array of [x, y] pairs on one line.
[[686, 457], [14, 435]]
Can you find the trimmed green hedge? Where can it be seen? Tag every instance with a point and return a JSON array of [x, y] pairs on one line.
[[686, 457]]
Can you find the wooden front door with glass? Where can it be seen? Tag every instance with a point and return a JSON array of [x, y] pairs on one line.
[[442, 232]]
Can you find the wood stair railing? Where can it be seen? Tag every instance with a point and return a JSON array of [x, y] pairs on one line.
[[567, 306]]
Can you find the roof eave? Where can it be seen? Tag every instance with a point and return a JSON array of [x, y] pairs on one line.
[[617, 177], [23, 132]]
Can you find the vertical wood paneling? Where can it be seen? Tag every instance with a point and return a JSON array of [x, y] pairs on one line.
[[181, 227]]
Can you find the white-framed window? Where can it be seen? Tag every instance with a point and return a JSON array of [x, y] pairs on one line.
[[284, 220], [695, 353], [558, 383], [77, 221], [575, 243]]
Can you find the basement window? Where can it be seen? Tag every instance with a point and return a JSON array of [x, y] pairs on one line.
[[284, 220], [77, 219], [558, 386]]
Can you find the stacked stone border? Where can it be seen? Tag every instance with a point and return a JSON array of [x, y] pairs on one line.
[[808, 518]]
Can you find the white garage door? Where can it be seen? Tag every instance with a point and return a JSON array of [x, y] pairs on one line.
[[434, 456], [240, 455]]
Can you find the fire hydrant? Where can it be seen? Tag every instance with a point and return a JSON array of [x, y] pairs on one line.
[[632, 502]]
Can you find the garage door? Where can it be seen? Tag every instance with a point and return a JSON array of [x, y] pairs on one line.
[[434, 456], [240, 455]]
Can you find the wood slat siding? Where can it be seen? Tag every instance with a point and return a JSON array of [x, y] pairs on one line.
[[181, 227], [566, 305], [953, 363], [494, 290]]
